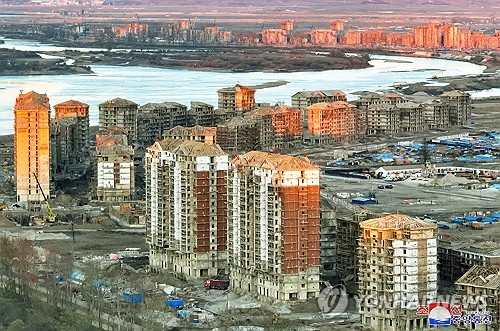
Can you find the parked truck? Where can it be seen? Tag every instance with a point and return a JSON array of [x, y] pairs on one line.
[[217, 284]]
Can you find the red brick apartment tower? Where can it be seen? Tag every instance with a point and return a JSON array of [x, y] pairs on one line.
[[186, 207], [31, 146], [273, 230]]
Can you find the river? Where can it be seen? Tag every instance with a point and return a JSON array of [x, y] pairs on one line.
[[143, 84]]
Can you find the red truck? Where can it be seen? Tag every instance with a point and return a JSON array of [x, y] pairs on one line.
[[217, 284]]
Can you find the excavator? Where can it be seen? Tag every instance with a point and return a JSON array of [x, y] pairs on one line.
[[52, 217]]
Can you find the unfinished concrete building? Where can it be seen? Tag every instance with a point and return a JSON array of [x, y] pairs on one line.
[[382, 119], [32, 147], [436, 114], [328, 235], [333, 122], [304, 99], [79, 111], [274, 227], [457, 255], [119, 113], [483, 282], [411, 117], [114, 167], [154, 118], [195, 133], [186, 207], [372, 98], [398, 262], [459, 106], [280, 127], [63, 149], [236, 99], [239, 134], [202, 114]]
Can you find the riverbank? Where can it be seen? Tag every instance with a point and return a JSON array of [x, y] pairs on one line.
[[20, 63]]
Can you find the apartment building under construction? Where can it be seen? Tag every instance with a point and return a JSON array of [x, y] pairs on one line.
[[121, 113], [398, 264], [236, 99], [32, 146], [196, 133], [114, 173], [274, 227], [460, 109], [186, 207]]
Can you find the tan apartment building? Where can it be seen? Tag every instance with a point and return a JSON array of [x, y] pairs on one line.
[[236, 99], [333, 122], [79, 111], [186, 207], [32, 146], [304, 99], [202, 114], [274, 227], [120, 113], [397, 258], [195, 133], [436, 114], [411, 117], [239, 134], [479, 290], [114, 167]]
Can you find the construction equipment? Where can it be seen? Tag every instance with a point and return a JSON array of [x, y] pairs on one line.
[[4, 207], [436, 76], [52, 217]]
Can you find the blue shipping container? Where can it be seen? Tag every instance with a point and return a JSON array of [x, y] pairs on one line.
[[132, 297], [177, 303]]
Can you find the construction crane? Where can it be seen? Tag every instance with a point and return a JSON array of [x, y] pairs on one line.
[[52, 217]]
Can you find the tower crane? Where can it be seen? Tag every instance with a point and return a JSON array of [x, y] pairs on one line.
[[52, 217]]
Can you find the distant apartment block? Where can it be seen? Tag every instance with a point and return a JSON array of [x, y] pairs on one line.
[[195, 133], [186, 207], [114, 167], [274, 227], [459, 106], [202, 114], [274, 37], [397, 261], [323, 37], [120, 113], [236, 99], [32, 146]]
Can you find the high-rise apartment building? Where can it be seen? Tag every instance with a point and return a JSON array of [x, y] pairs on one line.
[[121, 113], [31, 146], [196, 133], [274, 226], [397, 258], [186, 207], [70, 137]]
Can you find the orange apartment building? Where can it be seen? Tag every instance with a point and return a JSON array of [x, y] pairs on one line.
[[274, 37], [238, 98], [274, 227], [335, 121], [323, 37], [287, 25], [337, 26], [132, 29], [353, 37], [205, 135], [280, 127], [32, 146], [373, 37]]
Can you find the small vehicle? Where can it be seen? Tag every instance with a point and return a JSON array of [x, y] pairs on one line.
[[381, 187], [389, 186], [217, 284]]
